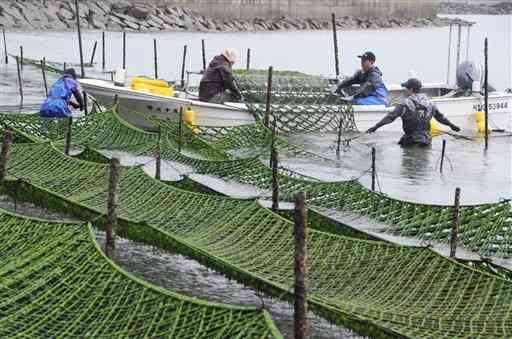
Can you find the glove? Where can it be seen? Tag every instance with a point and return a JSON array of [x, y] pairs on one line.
[[455, 128], [371, 130], [333, 90]]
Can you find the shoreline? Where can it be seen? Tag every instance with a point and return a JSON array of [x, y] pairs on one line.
[[32, 15]]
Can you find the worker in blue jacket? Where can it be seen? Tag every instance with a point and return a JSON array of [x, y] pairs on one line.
[[371, 90], [59, 98]]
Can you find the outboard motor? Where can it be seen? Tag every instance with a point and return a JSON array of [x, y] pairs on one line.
[[469, 76]]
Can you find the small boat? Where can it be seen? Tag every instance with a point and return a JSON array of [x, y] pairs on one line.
[[460, 110], [134, 104]]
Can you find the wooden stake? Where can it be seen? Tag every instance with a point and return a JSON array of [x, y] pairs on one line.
[[300, 267], [459, 38], [86, 109], [449, 55], [486, 91], [335, 42], [183, 67], [93, 53], [124, 50], [5, 154], [77, 9], [20, 81], [180, 129], [5, 47], [203, 52], [103, 50], [248, 66], [115, 168], [455, 225], [21, 57], [443, 150], [269, 97], [374, 172], [43, 69], [158, 156], [155, 56], [338, 141], [275, 174], [67, 145]]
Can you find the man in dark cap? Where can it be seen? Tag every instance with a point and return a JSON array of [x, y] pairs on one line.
[[416, 112], [217, 85], [372, 90], [59, 98]]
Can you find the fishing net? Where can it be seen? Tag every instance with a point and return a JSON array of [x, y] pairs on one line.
[[56, 282], [373, 287]]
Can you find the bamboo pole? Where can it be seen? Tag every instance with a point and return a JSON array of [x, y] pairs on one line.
[[93, 53], [335, 42], [82, 69], [443, 151], [269, 97], [5, 47], [203, 53], [21, 58], [43, 70], [69, 126], [374, 170], [124, 50], [275, 173], [5, 154], [183, 67], [486, 92], [20, 80], [449, 55], [155, 56], [158, 156], [300, 267], [248, 65], [180, 129], [455, 224], [103, 50], [115, 168]]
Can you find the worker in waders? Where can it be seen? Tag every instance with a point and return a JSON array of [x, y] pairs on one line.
[[416, 112], [371, 90], [59, 98], [218, 85]]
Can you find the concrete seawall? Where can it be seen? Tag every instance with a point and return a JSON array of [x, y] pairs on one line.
[[316, 9]]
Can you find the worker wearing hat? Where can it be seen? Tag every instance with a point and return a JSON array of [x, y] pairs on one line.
[[372, 90], [416, 112], [217, 84], [59, 97]]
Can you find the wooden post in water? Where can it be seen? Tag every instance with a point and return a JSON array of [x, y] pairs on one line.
[[180, 129], [5, 154], [5, 47], [155, 56], [115, 168], [374, 170], [455, 225], [248, 65], [443, 150], [20, 81], [21, 57], [486, 91], [274, 163], [158, 157], [43, 69], [335, 41], [300, 267], [64, 66], [203, 53], [459, 38], [449, 55], [103, 50], [77, 12], [338, 141], [124, 50], [269, 97], [93, 53], [183, 67], [86, 109], [69, 126]]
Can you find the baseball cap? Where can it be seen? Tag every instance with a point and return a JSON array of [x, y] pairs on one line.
[[413, 84], [367, 56]]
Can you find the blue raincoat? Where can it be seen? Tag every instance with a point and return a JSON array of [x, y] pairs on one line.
[[372, 90], [56, 105]]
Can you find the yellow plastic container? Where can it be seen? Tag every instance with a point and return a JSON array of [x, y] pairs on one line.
[[158, 87], [480, 122], [190, 118], [435, 129]]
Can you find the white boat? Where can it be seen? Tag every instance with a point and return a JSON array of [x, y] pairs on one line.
[[460, 110], [135, 104]]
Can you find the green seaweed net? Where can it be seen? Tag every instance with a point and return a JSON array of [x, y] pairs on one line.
[[56, 282], [484, 228], [375, 288]]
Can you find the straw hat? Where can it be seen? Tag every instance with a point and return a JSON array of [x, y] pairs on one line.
[[230, 54]]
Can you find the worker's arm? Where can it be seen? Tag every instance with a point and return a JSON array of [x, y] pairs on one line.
[[80, 100], [443, 120], [369, 85], [355, 79], [389, 118], [229, 82]]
